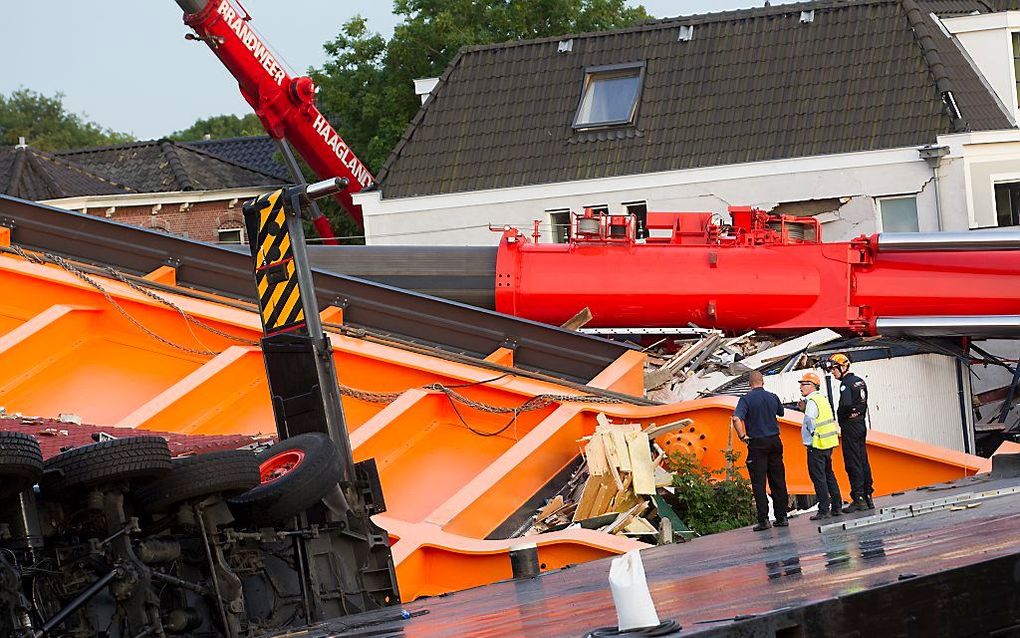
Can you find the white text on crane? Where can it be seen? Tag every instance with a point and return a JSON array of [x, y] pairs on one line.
[[257, 47], [342, 151]]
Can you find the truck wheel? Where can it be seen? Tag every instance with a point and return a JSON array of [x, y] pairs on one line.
[[192, 477], [138, 458], [21, 462], [295, 474]]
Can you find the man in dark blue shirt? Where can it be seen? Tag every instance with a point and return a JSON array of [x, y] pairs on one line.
[[756, 425]]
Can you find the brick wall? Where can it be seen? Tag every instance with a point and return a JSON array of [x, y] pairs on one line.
[[200, 220]]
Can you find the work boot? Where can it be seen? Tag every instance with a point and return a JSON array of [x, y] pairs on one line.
[[868, 503], [858, 505], [819, 515], [836, 511], [762, 526], [782, 522]]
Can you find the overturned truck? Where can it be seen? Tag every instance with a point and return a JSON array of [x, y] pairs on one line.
[[123, 542]]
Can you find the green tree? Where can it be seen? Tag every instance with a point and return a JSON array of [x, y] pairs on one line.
[[366, 86], [219, 127], [45, 123]]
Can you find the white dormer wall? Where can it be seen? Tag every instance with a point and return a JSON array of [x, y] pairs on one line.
[[987, 39]]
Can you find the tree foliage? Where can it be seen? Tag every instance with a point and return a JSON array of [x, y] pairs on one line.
[[219, 127], [712, 501], [366, 86], [46, 124]]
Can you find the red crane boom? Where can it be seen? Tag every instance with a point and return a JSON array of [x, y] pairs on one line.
[[285, 105]]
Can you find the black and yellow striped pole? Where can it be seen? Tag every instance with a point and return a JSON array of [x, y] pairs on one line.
[[297, 352]]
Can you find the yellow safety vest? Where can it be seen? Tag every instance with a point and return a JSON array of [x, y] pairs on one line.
[[826, 435]]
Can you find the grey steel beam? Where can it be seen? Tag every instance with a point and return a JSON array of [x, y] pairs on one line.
[[451, 326]]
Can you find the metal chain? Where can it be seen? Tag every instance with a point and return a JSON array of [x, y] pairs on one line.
[[65, 265], [536, 402], [169, 304]]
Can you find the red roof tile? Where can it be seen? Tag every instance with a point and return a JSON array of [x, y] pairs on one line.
[[55, 436]]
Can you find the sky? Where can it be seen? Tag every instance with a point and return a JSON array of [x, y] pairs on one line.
[[125, 64]]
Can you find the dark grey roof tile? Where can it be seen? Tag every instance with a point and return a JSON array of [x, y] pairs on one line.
[[165, 166], [32, 174]]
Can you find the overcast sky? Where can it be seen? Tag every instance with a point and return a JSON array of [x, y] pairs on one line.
[[125, 63]]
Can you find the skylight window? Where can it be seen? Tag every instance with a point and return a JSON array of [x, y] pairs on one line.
[[609, 96]]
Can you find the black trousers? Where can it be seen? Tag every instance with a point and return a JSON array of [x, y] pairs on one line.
[[855, 457], [819, 465], [765, 461]]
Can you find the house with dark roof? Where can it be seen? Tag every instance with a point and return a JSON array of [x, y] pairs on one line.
[[194, 190], [873, 115]]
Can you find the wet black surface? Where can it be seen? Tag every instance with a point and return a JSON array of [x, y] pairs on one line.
[[933, 574]]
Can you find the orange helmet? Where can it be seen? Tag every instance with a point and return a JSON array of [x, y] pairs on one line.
[[840, 359], [811, 377]]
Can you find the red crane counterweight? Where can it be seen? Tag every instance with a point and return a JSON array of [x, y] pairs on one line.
[[763, 272]]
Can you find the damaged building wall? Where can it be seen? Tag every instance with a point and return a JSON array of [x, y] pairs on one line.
[[844, 190]]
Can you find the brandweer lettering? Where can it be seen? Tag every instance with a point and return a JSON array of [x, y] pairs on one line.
[[244, 33], [342, 151]]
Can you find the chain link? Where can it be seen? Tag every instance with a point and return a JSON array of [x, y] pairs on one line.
[[169, 304], [536, 402]]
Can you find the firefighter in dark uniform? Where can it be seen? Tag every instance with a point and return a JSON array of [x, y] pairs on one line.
[[851, 412]]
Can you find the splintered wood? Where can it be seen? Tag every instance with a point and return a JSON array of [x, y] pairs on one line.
[[620, 472], [613, 490]]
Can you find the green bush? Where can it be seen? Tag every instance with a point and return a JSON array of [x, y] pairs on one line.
[[711, 501]]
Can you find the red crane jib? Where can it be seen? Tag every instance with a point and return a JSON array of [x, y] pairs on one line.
[[285, 105], [763, 272]]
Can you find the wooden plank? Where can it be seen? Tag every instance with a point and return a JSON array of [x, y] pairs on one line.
[[625, 517], [655, 431], [588, 494], [612, 457], [639, 525], [595, 454], [602, 500], [624, 500], [619, 438], [578, 321], [554, 504], [641, 463], [662, 477], [707, 351]]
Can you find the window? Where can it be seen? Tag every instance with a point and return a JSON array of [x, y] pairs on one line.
[[609, 96], [1007, 204], [1016, 63], [899, 214], [230, 235], [640, 211], [559, 220]]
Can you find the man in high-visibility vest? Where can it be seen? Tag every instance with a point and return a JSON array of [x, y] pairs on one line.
[[820, 435]]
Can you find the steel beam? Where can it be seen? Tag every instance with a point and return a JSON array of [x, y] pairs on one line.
[[448, 325]]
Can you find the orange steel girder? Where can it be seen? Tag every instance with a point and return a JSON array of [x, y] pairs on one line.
[[65, 348]]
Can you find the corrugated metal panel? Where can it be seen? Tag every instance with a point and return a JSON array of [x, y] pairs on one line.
[[916, 397]]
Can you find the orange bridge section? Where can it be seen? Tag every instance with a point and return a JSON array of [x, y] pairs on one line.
[[116, 352]]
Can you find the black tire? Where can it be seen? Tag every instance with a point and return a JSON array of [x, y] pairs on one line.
[[300, 488], [21, 462], [230, 472], [138, 458]]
